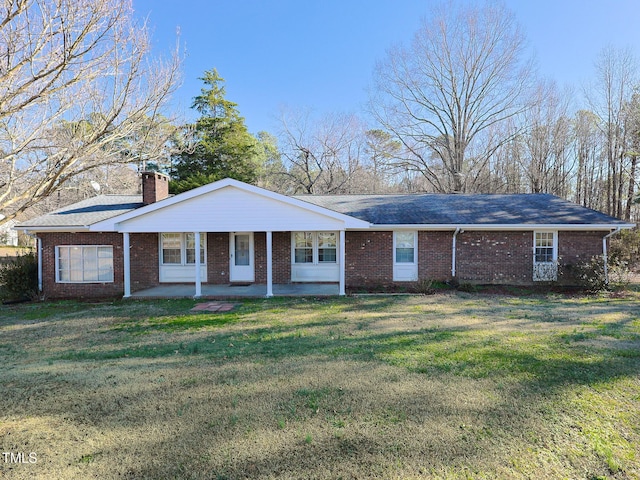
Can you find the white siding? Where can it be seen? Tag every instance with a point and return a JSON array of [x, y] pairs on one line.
[[315, 273], [230, 209], [181, 273]]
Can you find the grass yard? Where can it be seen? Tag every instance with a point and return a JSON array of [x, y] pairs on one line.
[[454, 385]]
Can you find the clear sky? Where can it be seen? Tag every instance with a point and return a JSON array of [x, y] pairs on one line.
[[320, 54]]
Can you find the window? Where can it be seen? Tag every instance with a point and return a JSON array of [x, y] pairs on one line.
[[303, 247], [84, 263], [544, 247], [172, 248], [327, 247], [180, 248], [405, 245], [191, 248], [315, 247], [545, 256]]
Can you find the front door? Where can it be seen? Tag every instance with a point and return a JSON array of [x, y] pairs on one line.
[[241, 265]]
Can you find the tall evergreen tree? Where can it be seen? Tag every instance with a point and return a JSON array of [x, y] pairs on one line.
[[223, 146]]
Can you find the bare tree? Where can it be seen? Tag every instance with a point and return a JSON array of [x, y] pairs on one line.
[[463, 74], [632, 126], [589, 185], [77, 91], [616, 77], [547, 141], [320, 156]]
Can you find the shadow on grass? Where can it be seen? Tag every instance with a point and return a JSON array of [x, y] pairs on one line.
[[555, 359], [534, 365]]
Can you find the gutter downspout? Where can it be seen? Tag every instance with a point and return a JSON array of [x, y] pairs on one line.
[[604, 253], [453, 252]]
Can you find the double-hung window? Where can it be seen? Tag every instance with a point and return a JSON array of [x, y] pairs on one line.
[[180, 248], [315, 247], [405, 247], [544, 249], [84, 264], [545, 256], [327, 247]]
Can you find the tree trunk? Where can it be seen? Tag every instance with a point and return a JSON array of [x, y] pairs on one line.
[[631, 190]]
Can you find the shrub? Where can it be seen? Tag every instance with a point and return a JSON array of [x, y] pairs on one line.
[[468, 287], [624, 250], [589, 274], [425, 286], [19, 278]]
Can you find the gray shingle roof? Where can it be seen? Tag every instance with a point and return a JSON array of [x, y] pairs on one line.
[[441, 209], [86, 212], [426, 209]]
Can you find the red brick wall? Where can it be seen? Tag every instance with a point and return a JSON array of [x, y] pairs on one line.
[[155, 187], [577, 247], [218, 258], [482, 257], [144, 260], [495, 257], [369, 259], [51, 289], [260, 256], [574, 247], [434, 255], [281, 257]]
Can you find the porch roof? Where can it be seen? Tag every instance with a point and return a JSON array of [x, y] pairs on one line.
[[229, 206]]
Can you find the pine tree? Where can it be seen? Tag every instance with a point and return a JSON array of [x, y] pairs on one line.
[[224, 147]]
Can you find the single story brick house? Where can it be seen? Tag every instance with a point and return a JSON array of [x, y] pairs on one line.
[[116, 245]]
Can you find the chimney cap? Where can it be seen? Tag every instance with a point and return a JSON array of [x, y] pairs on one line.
[[153, 172]]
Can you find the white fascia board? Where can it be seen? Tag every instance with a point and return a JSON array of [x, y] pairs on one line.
[[112, 224], [71, 229], [502, 227]]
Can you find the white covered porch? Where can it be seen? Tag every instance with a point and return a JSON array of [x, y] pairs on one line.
[[241, 210]]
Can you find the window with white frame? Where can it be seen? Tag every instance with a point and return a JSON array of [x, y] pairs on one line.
[[545, 256], [545, 245], [405, 247], [314, 247], [327, 247], [84, 263], [180, 248]]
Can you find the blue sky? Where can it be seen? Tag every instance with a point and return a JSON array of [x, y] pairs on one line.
[[320, 54]]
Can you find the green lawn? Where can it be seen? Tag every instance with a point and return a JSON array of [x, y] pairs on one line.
[[452, 385]]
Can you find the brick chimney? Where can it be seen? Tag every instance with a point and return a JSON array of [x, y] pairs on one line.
[[155, 187]]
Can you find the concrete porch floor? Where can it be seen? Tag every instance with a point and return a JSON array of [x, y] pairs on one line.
[[235, 291]]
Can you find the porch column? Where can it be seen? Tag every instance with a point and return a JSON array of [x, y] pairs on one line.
[[39, 243], [198, 281], [269, 264], [342, 262], [127, 265]]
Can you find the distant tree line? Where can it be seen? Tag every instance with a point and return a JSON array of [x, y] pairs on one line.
[[460, 109]]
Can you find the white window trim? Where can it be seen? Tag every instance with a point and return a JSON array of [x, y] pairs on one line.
[[405, 271], [545, 271], [183, 250], [57, 251], [315, 248], [555, 245], [415, 247]]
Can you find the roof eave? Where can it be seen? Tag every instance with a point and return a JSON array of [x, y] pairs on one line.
[[57, 228], [504, 227]]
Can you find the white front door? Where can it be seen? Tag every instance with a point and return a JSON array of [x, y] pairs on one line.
[[241, 252]]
